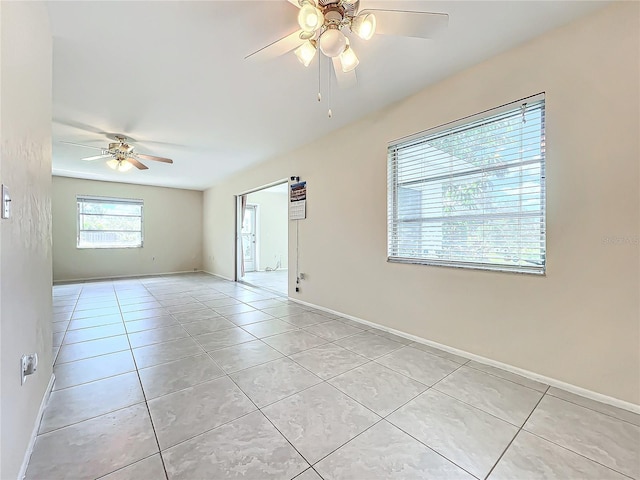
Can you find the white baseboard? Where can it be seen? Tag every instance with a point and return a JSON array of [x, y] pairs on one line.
[[218, 275], [36, 426], [116, 277], [599, 397]]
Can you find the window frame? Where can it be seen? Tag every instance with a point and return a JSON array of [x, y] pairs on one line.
[[108, 200], [394, 238]]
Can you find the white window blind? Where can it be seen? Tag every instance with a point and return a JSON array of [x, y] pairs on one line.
[[109, 222], [472, 194]]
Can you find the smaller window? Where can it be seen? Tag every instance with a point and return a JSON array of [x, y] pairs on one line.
[[109, 222]]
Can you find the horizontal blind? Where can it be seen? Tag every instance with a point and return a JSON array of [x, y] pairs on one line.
[[111, 200], [473, 194], [105, 222]]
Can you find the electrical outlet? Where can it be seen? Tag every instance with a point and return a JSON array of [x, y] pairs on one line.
[[28, 365]]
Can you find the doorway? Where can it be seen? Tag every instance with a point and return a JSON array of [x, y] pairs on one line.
[[263, 244]]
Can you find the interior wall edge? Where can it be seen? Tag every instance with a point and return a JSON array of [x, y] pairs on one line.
[[36, 426]]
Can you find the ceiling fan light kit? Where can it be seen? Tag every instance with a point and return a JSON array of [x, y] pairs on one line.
[[306, 52], [326, 26], [121, 155], [323, 24], [310, 17], [119, 165], [333, 42], [364, 25], [348, 59]]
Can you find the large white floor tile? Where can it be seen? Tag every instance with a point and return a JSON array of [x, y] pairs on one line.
[[93, 448], [607, 440], [190, 412], [75, 404], [504, 399], [319, 420], [249, 448], [173, 376], [530, 457], [385, 453], [468, 437], [268, 383], [377, 387]]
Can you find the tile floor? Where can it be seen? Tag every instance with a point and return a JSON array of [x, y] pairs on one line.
[[277, 280], [191, 377]]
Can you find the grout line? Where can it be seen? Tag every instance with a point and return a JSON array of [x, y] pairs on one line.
[[57, 354], [269, 420], [508, 379], [130, 465], [429, 447], [94, 380], [480, 409], [597, 411], [92, 356], [91, 418], [574, 452], [517, 433], [144, 395]]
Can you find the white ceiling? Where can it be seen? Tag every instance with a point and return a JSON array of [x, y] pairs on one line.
[[172, 76]]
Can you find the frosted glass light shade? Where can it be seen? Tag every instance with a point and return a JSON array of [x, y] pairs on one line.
[[120, 165], [310, 18], [364, 26], [305, 53], [125, 166], [348, 60], [333, 42]]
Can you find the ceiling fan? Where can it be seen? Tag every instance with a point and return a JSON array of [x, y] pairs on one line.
[[122, 155], [323, 23]]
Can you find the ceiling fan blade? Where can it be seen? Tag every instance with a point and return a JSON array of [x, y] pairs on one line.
[[79, 125], [80, 145], [277, 48], [153, 157], [409, 24], [153, 142], [345, 80], [137, 164], [294, 3], [97, 157]]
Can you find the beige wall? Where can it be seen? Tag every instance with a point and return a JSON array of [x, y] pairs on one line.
[[172, 221], [25, 251], [273, 227], [579, 323]]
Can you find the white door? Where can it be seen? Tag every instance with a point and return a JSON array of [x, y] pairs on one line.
[[249, 238]]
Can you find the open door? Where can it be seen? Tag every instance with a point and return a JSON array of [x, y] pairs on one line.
[[263, 238]]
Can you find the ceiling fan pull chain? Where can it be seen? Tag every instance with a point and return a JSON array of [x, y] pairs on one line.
[[329, 113], [319, 82]]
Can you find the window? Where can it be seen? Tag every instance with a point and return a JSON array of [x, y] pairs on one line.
[[109, 222], [472, 194]]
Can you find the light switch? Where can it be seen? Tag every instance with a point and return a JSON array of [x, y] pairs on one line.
[[6, 202]]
